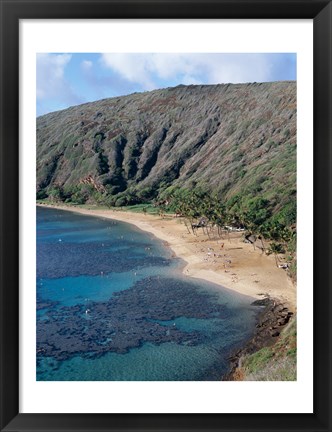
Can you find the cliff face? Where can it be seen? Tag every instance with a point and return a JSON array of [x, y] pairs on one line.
[[224, 138]]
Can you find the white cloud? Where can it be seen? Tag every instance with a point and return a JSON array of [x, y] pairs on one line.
[[50, 74], [149, 69], [86, 65], [237, 68], [54, 90], [133, 67], [189, 79]]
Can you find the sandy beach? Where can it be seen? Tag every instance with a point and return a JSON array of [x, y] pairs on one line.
[[225, 261]]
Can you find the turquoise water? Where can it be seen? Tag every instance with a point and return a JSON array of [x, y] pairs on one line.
[[112, 304]]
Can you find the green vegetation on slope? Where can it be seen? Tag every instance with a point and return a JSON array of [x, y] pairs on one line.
[[233, 140], [275, 363]]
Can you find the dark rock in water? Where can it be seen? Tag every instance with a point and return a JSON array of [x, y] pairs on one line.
[[129, 319], [263, 302], [46, 304]]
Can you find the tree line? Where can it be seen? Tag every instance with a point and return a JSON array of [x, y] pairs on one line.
[[276, 231]]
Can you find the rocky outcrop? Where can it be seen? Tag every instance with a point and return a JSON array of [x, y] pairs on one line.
[[270, 323]]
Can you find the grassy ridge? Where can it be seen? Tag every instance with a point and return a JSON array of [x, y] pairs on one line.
[[235, 141], [275, 363]]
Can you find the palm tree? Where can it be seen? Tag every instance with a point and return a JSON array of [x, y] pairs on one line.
[[276, 248]]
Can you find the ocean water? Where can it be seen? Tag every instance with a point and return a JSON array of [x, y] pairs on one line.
[[113, 304]]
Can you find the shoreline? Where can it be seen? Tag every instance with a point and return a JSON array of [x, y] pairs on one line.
[[271, 321], [230, 262]]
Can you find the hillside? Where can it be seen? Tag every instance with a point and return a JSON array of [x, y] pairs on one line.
[[233, 140]]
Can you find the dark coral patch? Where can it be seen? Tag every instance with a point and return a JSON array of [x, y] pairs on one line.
[[129, 319]]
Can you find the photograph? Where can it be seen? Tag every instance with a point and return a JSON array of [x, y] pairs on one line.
[[165, 215], [166, 200]]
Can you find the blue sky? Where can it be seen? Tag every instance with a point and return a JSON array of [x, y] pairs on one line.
[[67, 79]]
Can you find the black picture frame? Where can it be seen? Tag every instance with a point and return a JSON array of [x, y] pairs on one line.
[[11, 12]]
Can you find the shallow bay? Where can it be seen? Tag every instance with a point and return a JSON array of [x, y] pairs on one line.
[[113, 304]]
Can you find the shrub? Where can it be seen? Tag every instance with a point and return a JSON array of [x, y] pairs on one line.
[[41, 194]]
